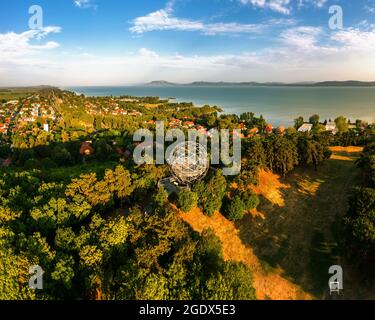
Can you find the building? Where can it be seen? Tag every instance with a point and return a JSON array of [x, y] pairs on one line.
[[269, 128], [3, 128], [189, 124], [331, 127], [306, 127], [280, 130], [86, 149], [174, 123], [242, 126]]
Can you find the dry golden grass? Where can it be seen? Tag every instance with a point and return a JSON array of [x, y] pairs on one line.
[[293, 208], [151, 105], [345, 153], [270, 187], [347, 149], [267, 285]]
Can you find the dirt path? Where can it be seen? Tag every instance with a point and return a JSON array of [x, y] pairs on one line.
[[290, 242]]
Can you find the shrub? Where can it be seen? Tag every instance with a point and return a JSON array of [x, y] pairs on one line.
[[235, 209], [187, 200], [250, 200]]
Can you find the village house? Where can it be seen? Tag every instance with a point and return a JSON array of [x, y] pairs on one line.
[[242, 126], [189, 124], [3, 128], [135, 113], [280, 130], [306, 127], [269, 128], [331, 127], [86, 149], [175, 123]]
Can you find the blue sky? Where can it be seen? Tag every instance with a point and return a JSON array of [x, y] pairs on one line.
[[112, 42]]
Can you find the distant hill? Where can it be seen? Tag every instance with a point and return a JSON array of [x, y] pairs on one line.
[[42, 87], [350, 83], [161, 83]]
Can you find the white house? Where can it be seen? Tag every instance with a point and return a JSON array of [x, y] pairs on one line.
[[331, 126], [306, 127]]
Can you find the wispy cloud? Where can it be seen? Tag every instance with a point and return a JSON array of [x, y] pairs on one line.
[[14, 45], [300, 53], [370, 8], [315, 3], [304, 37], [281, 6], [85, 4], [164, 19]]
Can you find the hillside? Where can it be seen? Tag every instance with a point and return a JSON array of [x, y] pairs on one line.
[[291, 242]]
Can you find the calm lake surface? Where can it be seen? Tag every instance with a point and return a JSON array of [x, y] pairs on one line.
[[279, 105]]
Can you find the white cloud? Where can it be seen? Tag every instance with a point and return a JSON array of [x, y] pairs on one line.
[[370, 9], [301, 53], [301, 37], [148, 53], [355, 39], [315, 3], [14, 45], [84, 4], [281, 6], [164, 20]]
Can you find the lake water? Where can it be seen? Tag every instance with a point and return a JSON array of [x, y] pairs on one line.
[[279, 105]]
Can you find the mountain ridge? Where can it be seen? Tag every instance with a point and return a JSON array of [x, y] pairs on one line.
[[348, 83]]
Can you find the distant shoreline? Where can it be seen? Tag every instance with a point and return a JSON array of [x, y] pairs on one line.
[[162, 83], [349, 83], [279, 105]]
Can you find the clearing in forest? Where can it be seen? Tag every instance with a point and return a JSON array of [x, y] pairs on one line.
[[292, 239]]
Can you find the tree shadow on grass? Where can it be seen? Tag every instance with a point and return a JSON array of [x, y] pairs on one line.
[[298, 237]]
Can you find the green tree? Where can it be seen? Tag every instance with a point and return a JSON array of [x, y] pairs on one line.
[[281, 154], [342, 124], [161, 197], [234, 283], [211, 193], [14, 275], [235, 208], [187, 200], [361, 216], [61, 156], [314, 120], [310, 152], [299, 122]]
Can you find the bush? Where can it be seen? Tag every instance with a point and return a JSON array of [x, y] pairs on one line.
[[47, 163], [361, 217], [161, 197], [250, 200], [61, 156], [235, 209], [32, 164], [187, 200], [211, 193]]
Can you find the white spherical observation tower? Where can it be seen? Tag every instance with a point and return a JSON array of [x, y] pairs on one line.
[[188, 162]]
